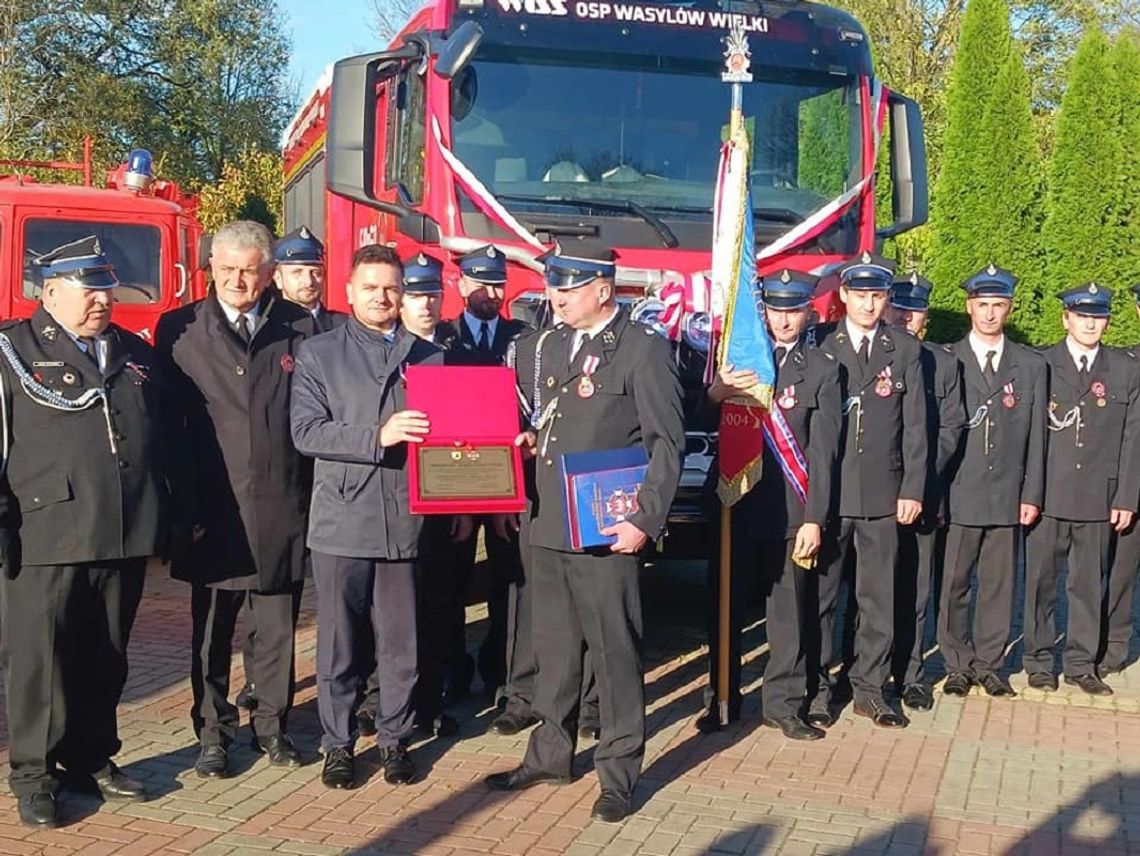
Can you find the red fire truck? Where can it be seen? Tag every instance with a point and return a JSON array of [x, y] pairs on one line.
[[148, 229], [523, 122]]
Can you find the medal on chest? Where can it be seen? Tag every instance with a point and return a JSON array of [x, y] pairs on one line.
[[883, 383], [586, 386], [1008, 399], [788, 399], [1100, 391]]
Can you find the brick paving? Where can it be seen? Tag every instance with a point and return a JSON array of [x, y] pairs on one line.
[[1039, 774]]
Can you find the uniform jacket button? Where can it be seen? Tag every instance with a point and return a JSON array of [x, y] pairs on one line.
[[124, 465], [564, 389], [240, 370]]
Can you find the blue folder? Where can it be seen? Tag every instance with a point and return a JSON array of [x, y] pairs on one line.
[[600, 489]]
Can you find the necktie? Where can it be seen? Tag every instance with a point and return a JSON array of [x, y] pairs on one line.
[[781, 352], [484, 336], [865, 351], [89, 348], [580, 341], [1084, 370], [990, 371], [241, 327]]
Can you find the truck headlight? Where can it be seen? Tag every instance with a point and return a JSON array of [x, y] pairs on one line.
[[696, 330]]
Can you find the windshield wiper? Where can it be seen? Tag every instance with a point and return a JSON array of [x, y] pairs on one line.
[[659, 226], [773, 215]]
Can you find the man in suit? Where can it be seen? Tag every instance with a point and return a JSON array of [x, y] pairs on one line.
[[231, 356], [921, 543], [300, 276], [84, 500], [1092, 486], [778, 525], [997, 484], [881, 483], [349, 412], [608, 382]]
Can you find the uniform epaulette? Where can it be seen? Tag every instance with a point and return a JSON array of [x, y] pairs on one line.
[[948, 349]]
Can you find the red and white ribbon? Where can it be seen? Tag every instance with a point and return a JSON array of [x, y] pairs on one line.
[[784, 446]]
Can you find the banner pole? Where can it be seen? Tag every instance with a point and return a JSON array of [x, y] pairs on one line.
[[725, 592]]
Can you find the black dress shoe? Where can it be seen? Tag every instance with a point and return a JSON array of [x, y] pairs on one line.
[[996, 686], [442, 726], [957, 684], [37, 810], [279, 749], [366, 722], [247, 698], [1046, 681], [340, 769], [819, 714], [918, 697], [795, 728], [880, 713], [212, 763], [398, 766], [508, 724], [114, 784], [1090, 683], [589, 731], [611, 807], [521, 778]]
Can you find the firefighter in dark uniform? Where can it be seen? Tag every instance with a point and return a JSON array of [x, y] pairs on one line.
[[84, 500], [1117, 631], [349, 412], [232, 356], [777, 531], [881, 482], [608, 382], [1092, 486], [921, 544], [483, 336], [300, 276], [997, 483]]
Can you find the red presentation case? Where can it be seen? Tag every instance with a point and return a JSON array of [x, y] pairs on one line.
[[469, 408]]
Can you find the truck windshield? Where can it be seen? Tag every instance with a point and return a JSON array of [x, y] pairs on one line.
[[132, 248], [650, 134]]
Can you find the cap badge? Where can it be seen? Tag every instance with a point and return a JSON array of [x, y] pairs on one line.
[[914, 278], [865, 258], [490, 252], [1092, 288], [991, 270], [785, 276], [421, 259], [305, 233]]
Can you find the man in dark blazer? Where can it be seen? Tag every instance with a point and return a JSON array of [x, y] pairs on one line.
[[349, 413], [482, 337], [1092, 486], [997, 485], [84, 500], [777, 531], [608, 382], [300, 276], [921, 543], [882, 482], [232, 356]]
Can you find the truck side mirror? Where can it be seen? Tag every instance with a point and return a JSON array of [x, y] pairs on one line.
[[456, 52], [910, 195]]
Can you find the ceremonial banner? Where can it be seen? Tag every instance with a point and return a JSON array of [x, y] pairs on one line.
[[744, 341]]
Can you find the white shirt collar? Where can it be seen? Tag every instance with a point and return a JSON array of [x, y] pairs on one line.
[[857, 336], [475, 325], [980, 350], [232, 314], [592, 332], [787, 350], [1076, 352]]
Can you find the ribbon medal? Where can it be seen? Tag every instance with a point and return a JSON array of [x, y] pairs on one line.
[[1100, 391], [1008, 399], [883, 384], [788, 399], [586, 384]]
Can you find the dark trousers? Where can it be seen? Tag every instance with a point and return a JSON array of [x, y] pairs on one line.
[[1085, 545], [588, 600], [980, 650], [875, 541], [503, 564], [271, 620], [436, 581], [1117, 629], [357, 597], [919, 564], [66, 629]]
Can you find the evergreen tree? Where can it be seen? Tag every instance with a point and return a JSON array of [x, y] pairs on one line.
[[1125, 57], [1081, 232], [1010, 225], [961, 197]]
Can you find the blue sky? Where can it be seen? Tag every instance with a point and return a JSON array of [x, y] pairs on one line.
[[324, 31]]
